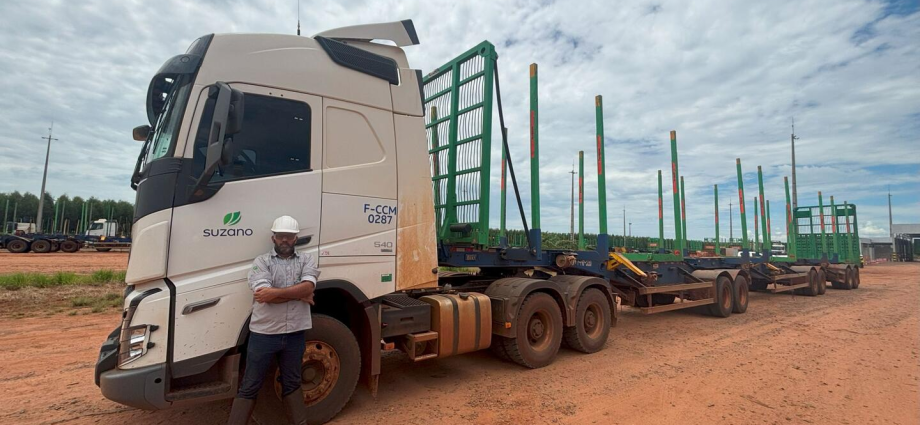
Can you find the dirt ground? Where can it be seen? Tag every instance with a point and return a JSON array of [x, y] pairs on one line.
[[80, 262], [848, 357]]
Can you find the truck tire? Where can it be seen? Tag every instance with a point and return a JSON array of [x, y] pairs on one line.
[[70, 246], [848, 279], [331, 366], [740, 299], [41, 246], [592, 323], [17, 246], [55, 246], [539, 332], [723, 298], [822, 284], [855, 277], [813, 289], [103, 249]]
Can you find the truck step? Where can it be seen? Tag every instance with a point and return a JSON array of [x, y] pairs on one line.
[[199, 390]]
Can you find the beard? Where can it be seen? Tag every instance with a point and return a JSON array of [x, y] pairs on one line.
[[284, 249]]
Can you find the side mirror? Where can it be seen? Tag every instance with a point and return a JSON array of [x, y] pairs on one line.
[[141, 132], [227, 120]]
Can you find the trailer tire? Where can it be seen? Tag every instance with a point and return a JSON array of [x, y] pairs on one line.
[[814, 287], [855, 277], [55, 246], [822, 284], [41, 246], [740, 298], [539, 332], [334, 343], [17, 246], [103, 249], [723, 298], [592, 323], [70, 246], [848, 279]]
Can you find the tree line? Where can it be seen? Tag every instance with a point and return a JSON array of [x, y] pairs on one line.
[[63, 214]]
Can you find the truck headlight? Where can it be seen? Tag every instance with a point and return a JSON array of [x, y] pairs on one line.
[[134, 343]]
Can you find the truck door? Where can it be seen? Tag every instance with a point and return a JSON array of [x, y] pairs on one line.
[[274, 170]]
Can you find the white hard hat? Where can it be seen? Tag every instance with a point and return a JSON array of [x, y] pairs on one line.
[[285, 224]]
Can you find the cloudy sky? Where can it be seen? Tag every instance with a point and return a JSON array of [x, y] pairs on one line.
[[728, 76]]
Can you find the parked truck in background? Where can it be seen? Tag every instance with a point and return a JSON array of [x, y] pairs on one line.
[[387, 173]]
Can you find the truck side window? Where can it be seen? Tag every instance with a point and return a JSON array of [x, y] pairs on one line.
[[275, 139]]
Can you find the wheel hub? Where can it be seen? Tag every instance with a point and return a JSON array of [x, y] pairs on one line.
[[320, 371], [537, 328]]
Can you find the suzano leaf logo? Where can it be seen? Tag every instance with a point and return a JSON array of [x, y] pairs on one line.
[[232, 218]]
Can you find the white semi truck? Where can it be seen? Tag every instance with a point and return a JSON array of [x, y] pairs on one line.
[[331, 130]]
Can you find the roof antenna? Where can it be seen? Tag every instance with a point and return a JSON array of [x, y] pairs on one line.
[[298, 17]]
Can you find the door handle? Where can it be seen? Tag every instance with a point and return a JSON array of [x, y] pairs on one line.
[[303, 240], [200, 305]]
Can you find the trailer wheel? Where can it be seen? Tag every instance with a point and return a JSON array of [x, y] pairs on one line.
[[592, 323], [17, 246], [331, 365], [822, 284], [855, 277], [814, 287], [41, 246], [55, 246], [848, 279], [822, 280], [70, 246], [723, 297], [741, 289], [539, 332], [103, 249]]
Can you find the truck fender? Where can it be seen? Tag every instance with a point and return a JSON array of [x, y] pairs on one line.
[[508, 294], [575, 285]]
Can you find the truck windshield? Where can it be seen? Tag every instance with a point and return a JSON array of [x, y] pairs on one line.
[[95, 226], [163, 135]]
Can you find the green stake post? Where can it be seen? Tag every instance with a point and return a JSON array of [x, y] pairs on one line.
[[821, 222], [601, 163], [764, 224], [6, 210], [678, 244], [660, 215], [55, 221], [790, 223], [683, 217], [834, 226], [850, 257], [757, 245], [581, 200], [534, 151], [768, 241], [744, 238], [715, 194]]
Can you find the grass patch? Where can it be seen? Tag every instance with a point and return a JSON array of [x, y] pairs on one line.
[[98, 304], [14, 281]]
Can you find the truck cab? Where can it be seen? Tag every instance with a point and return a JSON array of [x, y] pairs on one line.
[[103, 227], [244, 128]]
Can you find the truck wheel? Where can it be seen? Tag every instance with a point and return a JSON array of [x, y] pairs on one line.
[[592, 323], [17, 246], [848, 279], [331, 365], [70, 246], [822, 284], [813, 289], [855, 277], [41, 246], [539, 332], [103, 249], [55, 246], [723, 297], [741, 289]]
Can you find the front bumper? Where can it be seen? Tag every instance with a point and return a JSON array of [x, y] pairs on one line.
[[143, 388]]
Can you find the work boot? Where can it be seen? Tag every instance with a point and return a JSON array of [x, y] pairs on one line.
[[241, 411], [294, 408]]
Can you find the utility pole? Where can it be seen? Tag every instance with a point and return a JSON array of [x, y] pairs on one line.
[[41, 197], [298, 17], [731, 214], [572, 216], [795, 196], [890, 222], [624, 227]]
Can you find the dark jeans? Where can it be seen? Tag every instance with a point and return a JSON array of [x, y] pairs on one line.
[[287, 349]]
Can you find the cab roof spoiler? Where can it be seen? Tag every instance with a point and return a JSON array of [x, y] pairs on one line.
[[402, 33]]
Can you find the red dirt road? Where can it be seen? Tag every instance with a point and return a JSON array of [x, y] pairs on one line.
[[80, 262], [848, 357]]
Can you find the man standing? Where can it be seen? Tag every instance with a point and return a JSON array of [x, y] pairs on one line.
[[282, 282]]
